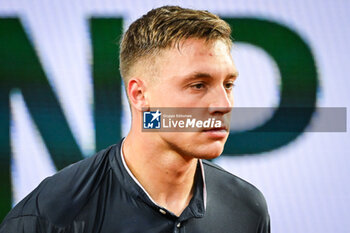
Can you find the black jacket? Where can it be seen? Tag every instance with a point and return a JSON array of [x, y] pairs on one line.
[[98, 194]]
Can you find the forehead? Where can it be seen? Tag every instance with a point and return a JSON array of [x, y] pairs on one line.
[[195, 55], [200, 46]]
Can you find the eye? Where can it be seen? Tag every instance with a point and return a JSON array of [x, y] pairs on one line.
[[229, 85], [198, 86]]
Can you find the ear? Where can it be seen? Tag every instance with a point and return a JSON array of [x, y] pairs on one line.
[[136, 93]]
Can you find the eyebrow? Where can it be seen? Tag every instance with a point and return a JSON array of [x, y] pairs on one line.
[[197, 75]]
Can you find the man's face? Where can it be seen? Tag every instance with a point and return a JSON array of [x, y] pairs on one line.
[[198, 74]]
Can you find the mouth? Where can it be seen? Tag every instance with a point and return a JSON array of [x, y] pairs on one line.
[[216, 133], [215, 129]]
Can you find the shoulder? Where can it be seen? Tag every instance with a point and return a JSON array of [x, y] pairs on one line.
[[59, 198], [233, 189]]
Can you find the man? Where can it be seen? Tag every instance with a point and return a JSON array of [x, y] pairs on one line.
[[157, 181]]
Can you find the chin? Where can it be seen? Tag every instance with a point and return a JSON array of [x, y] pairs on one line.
[[197, 147], [208, 151]]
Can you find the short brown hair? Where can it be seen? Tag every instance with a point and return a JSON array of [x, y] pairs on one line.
[[165, 27]]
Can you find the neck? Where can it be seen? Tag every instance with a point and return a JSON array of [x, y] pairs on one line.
[[166, 176]]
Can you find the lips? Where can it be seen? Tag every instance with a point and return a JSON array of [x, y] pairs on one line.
[[215, 129], [216, 133]]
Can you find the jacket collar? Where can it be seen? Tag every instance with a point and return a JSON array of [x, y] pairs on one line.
[[130, 184]]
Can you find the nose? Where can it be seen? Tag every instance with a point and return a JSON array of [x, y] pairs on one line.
[[220, 102]]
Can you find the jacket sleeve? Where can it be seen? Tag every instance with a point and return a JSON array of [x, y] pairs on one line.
[[23, 224], [264, 224], [35, 224]]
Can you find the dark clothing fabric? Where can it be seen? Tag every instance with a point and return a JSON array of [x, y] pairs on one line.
[[98, 194]]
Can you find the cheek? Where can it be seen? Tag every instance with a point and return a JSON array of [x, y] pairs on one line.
[[171, 96], [163, 98], [183, 100]]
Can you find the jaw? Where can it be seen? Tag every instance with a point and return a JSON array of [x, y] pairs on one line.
[[194, 144]]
